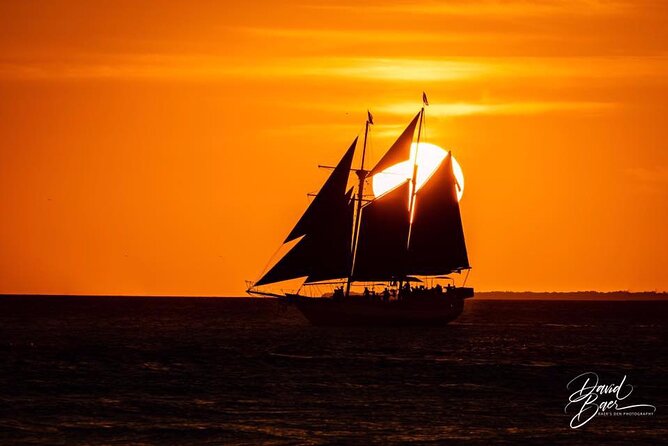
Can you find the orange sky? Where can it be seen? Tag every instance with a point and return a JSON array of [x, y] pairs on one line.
[[169, 150]]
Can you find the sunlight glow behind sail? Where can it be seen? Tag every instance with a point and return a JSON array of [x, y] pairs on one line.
[[429, 158]]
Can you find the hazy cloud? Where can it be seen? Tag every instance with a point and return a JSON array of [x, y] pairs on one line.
[[489, 7]]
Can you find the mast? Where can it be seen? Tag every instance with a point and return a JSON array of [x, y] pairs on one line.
[[361, 174], [411, 206]]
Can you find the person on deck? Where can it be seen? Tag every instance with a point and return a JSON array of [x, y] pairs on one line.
[[406, 291]]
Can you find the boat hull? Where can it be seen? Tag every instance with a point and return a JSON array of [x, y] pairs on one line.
[[356, 311]]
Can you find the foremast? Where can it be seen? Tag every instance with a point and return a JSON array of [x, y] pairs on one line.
[[361, 175]]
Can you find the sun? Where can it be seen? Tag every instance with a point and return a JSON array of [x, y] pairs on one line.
[[428, 159]]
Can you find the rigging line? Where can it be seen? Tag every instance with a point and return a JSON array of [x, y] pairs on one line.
[[266, 266], [332, 282], [393, 173]]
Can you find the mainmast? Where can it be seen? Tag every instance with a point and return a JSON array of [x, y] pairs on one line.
[[411, 206], [361, 174]]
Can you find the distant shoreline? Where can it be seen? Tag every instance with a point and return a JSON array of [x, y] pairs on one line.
[[482, 295], [572, 295]]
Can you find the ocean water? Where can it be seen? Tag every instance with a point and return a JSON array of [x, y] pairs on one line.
[[76, 370]]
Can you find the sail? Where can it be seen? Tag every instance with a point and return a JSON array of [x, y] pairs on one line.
[[381, 246], [437, 238], [331, 246], [324, 204], [324, 252], [292, 265], [400, 150]]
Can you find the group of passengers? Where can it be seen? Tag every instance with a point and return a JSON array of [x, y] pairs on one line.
[[404, 292]]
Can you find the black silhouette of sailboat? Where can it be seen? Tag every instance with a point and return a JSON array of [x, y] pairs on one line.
[[403, 237]]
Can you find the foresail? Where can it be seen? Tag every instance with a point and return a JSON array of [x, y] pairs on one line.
[[437, 243], [400, 150], [324, 252], [323, 205], [331, 256], [381, 246], [292, 265]]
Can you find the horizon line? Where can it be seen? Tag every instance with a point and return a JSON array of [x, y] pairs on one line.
[[212, 296]]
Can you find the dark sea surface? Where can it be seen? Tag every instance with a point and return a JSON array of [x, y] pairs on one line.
[[76, 370]]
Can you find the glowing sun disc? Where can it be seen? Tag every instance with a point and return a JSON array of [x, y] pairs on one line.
[[428, 159]]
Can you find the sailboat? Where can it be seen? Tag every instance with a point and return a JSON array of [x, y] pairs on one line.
[[396, 242]]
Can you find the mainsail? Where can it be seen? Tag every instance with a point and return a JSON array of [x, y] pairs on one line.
[[437, 238], [381, 248], [326, 226]]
